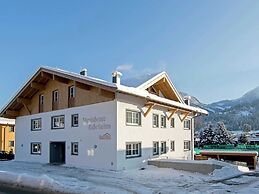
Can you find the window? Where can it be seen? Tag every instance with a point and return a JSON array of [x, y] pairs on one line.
[[58, 122], [74, 120], [163, 121], [172, 123], [36, 124], [155, 120], [133, 150], [172, 146], [187, 124], [187, 145], [41, 102], [72, 92], [11, 129], [163, 147], [74, 148], [155, 148], [11, 143], [41, 99], [36, 148], [55, 96], [133, 117]]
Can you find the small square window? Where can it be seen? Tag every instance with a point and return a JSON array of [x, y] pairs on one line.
[[11, 129], [36, 124], [74, 148], [58, 122], [133, 150], [11, 143], [36, 148], [75, 120]]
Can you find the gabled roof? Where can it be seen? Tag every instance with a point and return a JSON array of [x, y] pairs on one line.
[[43, 74]]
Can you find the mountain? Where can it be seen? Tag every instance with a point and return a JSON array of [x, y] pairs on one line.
[[234, 113]]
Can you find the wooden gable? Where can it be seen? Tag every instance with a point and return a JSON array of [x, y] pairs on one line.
[[163, 88], [44, 81]]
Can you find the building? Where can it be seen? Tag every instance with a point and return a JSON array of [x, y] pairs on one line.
[[65, 117], [7, 135]]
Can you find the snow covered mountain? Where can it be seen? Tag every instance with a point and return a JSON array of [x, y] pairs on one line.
[[234, 113]]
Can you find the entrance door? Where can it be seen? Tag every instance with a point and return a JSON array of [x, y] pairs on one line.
[[57, 152]]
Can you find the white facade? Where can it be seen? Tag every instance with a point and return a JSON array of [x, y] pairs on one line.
[[102, 135], [123, 133]]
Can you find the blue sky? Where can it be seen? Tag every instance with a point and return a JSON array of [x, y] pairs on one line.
[[210, 49]]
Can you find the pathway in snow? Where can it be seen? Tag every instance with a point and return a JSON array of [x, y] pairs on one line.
[[150, 180]]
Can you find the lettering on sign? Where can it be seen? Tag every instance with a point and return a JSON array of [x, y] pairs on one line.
[[96, 123], [105, 136]]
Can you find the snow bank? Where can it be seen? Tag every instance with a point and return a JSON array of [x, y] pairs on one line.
[[228, 171], [43, 182]]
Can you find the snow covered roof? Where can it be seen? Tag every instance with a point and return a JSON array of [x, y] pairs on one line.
[[4, 121], [136, 87]]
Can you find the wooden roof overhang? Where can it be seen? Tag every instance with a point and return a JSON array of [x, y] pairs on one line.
[[38, 82]]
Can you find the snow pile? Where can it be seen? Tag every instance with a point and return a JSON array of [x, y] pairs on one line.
[[41, 183], [228, 171]]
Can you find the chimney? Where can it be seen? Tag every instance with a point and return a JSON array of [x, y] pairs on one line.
[[187, 100], [83, 72], [116, 77]]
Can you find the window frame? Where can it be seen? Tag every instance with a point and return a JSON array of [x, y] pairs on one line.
[[163, 147], [172, 122], [189, 145], [155, 146], [132, 149], [52, 122], [72, 120], [41, 99], [163, 117], [11, 144], [55, 99], [189, 124], [132, 118], [11, 129], [36, 129], [172, 148], [73, 152], [36, 153], [73, 94], [156, 125]]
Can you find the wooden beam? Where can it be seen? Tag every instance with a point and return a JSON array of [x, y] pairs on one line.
[[46, 75], [173, 111], [83, 86], [27, 108], [60, 79], [185, 116], [23, 100], [150, 106], [12, 113], [38, 86]]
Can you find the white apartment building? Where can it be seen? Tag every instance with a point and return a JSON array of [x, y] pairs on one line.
[[77, 120]]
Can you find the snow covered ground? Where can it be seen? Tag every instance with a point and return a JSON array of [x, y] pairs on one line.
[[229, 179]]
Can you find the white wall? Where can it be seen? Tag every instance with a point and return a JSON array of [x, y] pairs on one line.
[[146, 134], [88, 139]]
